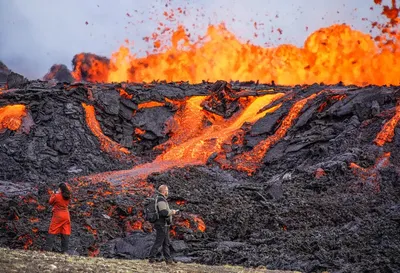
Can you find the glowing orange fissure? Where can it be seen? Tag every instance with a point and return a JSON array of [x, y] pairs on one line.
[[371, 174], [91, 230], [106, 143], [249, 161], [11, 116], [388, 130], [124, 94], [150, 104], [28, 240], [330, 55]]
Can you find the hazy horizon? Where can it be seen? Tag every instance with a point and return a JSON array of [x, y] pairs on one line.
[[36, 35]]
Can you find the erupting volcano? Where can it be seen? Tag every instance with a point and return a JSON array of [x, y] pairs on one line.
[[330, 55], [284, 157]]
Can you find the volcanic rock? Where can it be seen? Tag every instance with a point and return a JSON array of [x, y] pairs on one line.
[[59, 72], [222, 100], [277, 214], [15, 80], [4, 71]]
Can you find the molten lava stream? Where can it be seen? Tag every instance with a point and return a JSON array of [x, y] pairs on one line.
[[250, 161], [106, 143], [387, 132], [191, 143], [199, 143]]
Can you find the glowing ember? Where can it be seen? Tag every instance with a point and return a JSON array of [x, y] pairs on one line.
[[249, 161], [181, 202], [387, 132], [34, 220], [111, 210], [200, 223], [371, 174], [93, 251], [124, 94], [150, 104], [139, 131], [11, 116], [91, 230], [319, 173], [28, 240], [137, 225], [106, 143], [30, 200], [40, 208], [329, 100], [187, 221]]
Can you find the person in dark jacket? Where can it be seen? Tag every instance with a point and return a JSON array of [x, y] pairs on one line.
[[60, 221], [162, 227]]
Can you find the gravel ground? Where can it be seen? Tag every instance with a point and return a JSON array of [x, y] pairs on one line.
[[34, 261]]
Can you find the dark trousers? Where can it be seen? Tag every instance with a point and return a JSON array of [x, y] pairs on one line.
[[162, 240], [50, 241]]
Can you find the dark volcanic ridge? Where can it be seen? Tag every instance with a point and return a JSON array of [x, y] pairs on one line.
[[325, 195]]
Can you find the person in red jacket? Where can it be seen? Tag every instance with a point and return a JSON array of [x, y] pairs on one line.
[[60, 221]]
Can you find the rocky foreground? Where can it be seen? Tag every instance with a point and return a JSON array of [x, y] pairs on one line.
[[34, 261]]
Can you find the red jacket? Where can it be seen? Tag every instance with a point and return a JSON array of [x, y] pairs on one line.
[[60, 222]]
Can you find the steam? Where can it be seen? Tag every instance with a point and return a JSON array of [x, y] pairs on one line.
[[37, 34]]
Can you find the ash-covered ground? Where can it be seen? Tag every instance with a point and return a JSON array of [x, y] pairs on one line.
[[325, 196]]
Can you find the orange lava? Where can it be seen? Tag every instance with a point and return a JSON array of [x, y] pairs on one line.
[[371, 174], [139, 131], [387, 132], [91, 230], [28, 241], [191, 143], [34, 220], [200, 223], [195, 143], [137, 225], [330, 55], [95, 69], [93, 252], [249, 161], [150, 104], [11, 116], [124, 94], [107, 144], [40, 208]]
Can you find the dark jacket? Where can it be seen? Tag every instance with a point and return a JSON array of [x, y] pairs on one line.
[[164, 213]]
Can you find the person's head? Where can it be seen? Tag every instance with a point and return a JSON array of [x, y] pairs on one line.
[[65, 192], [163, 189]]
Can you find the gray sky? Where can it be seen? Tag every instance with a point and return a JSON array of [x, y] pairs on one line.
[[36, 34]]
